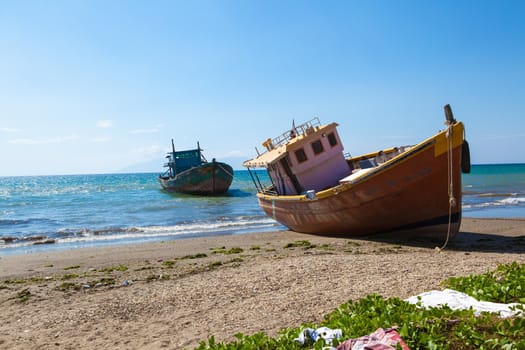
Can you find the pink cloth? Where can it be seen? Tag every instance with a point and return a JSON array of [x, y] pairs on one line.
[[381, 339]]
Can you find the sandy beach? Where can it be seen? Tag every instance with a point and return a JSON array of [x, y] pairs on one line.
[[174, 294]]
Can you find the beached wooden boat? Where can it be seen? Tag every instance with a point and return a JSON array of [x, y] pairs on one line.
[[189, 172], [316, 189]]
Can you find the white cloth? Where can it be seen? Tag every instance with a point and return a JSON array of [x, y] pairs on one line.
[[460, 301]]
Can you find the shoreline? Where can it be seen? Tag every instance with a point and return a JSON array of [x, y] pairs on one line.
[[176, 293], [58, 248]]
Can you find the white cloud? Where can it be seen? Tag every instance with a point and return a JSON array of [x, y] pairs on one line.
[[104, 124], [144, 131], [43, 141], [9, 130], [235, 154], [147, 152], [101, 139]]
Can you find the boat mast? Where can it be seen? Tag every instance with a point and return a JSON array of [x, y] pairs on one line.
[[172, 165], [202, 157]]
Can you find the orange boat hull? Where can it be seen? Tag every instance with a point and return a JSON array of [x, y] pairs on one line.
[[411, 191]]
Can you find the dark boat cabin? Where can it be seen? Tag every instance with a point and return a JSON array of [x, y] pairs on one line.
[[179, 161]]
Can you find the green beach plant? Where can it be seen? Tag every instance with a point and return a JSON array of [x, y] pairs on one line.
[[506, 284], [420, 328]]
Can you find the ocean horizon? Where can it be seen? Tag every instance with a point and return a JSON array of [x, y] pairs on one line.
[[53, 212]]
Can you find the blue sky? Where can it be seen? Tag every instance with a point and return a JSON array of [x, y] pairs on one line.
[[103, 86]]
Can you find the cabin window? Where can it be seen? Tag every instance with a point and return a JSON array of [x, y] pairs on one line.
[[300, 155], [317, 147], [332, 139]]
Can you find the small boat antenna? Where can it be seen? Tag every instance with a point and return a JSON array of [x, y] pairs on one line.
[[293, 132]]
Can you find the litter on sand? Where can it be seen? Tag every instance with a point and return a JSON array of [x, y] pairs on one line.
[[315, 334], [389, 339], [461, 301], [381, 339]]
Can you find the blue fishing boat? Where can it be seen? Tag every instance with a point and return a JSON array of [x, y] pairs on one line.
[[189, 172]]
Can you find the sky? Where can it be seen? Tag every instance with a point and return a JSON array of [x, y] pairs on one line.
[[89, 86]]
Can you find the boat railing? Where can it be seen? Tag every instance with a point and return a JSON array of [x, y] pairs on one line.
[[296, 130]]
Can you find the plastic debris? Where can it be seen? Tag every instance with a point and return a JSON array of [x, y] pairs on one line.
[[315, 334]]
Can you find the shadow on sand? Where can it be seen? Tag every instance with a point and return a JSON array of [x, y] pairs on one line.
[[463, 241]]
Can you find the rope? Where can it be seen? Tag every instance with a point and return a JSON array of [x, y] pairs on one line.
[[450, 180], [226, 171]]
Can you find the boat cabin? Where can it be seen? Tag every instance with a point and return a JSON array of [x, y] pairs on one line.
[[179, 161], [305, 158]]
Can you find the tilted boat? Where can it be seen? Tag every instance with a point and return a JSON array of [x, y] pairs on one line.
[[189, 172], [316, 189]]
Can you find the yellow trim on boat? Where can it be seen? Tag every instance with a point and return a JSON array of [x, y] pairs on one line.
[[438, 141], [442, 142]]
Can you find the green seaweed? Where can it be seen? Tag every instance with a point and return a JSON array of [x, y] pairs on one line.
[[304, 244], [223, 250]]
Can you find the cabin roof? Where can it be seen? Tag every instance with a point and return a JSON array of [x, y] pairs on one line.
[[273, 155], [266, 158]]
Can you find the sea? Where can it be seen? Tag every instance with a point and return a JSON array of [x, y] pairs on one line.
[[44, 213]]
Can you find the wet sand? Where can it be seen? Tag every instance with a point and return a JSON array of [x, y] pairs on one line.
[[174, 294]]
